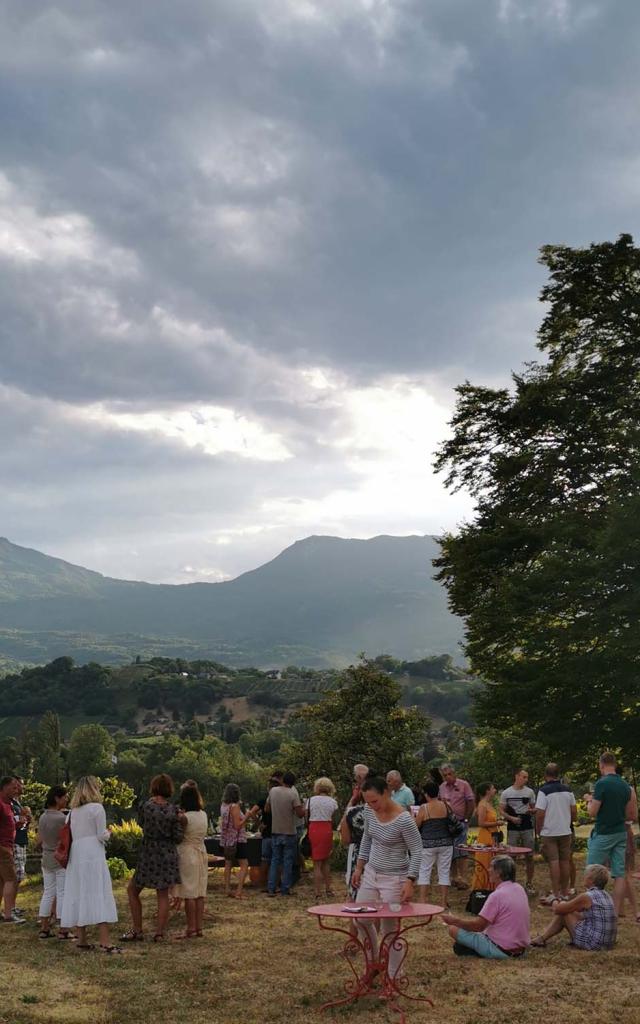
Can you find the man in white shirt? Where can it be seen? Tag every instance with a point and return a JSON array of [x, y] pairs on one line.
[[555, 813], [517, 806]]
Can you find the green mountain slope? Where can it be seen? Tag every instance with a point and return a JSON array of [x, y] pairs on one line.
[[324, 594]]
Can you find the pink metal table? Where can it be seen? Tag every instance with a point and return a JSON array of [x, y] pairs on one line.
[[371, 974], [473, 849]]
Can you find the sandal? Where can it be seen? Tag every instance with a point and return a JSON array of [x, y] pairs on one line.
[[45, 933], [132, 936], [85, 945], [159, 937], [538, 942], [110, 949], [185, 935]]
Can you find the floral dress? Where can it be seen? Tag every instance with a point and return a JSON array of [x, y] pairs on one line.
[[158, 862], [355, 821]]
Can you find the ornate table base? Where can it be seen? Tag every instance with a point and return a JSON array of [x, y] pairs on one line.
[[371, 972]]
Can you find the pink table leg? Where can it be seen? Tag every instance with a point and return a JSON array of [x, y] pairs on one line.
[[376, 980]]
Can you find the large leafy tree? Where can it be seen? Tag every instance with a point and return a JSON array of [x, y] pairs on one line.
[[91, 750], [361, 720], [547, 575]]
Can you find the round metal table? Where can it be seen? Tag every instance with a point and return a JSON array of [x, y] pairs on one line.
[[371, 971]]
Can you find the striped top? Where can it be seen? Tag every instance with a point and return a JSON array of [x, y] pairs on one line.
[[391, 847], [599, 924]]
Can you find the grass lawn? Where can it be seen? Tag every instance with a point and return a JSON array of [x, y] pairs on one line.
[[265, 960]]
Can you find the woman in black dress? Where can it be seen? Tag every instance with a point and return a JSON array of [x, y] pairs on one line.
[[163, 826]]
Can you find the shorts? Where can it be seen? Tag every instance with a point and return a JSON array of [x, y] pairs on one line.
[[481, 945], [525, 837], [7, 865], [460, 841], [20, 861], [609, 850], [266, 850], [556, 847], [240, 854], [440, 856]]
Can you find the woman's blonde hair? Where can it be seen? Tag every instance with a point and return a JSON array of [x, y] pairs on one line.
[[86, 791], [598, 875], [324, 785]]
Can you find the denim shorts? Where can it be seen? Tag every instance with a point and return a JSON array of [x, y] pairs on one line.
[[609, 850], [481, 945]]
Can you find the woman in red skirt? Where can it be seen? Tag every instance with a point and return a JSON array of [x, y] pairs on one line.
[[321, 811]]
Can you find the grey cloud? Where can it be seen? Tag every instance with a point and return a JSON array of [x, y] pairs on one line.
[[346, 188], [252, 192]]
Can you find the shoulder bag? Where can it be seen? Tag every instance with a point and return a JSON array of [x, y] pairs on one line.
[[63, 849]]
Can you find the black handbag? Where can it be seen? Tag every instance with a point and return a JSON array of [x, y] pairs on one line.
[[477, 900], [455, 827], [305, 842]]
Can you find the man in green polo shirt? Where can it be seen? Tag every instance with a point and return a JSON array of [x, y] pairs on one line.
[[613, 802]]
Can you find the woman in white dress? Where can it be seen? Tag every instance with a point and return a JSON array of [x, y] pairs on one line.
[[88, 896]]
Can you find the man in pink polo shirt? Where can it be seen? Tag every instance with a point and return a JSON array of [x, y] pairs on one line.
[[501, 929], [459, 795]]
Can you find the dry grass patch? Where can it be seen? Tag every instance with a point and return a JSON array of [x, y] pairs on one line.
[[266, 960]]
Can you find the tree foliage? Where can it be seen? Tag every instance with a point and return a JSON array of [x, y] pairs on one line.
[[90, 751], [546, 575], [359, 721]]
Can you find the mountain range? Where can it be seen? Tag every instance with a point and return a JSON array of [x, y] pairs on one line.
[[321, 601]]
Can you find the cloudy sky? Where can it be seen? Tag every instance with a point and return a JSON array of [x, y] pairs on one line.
[[248, 248]]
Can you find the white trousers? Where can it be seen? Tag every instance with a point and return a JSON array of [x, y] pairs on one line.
[[53, 890], [440, 857], [376, 886]]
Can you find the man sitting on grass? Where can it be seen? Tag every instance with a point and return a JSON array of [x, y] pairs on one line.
[[501, 929], [590, 918]]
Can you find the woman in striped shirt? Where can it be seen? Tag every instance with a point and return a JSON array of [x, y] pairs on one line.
[[388, 861]]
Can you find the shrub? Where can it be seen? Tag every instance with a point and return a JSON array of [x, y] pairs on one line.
[[125, 842], [118, 868], [339, 854]]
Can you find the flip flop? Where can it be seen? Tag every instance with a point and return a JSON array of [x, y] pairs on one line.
[[85, 946], [538, 942]]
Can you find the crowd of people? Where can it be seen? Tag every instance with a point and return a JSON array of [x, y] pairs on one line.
[[396, 838]]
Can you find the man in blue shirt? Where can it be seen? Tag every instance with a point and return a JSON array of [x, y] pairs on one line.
[[399, 792]]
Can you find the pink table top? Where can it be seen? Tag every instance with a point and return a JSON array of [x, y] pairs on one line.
[[407, 910], [496, 851]]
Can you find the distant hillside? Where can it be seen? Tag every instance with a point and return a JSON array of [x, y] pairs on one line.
[[322, 601]]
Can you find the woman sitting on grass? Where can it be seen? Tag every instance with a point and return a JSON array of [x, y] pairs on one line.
[[590, 918]]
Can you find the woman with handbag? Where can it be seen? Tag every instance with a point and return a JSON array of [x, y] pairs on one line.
[[320, 812], [88, 895], [435, 822], [233, 838], [50, 824]]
